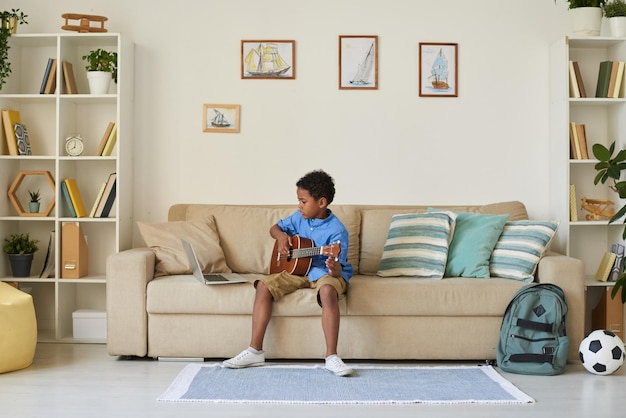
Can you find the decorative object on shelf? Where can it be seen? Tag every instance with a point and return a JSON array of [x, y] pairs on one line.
[[585, 17], [74, 145], [220, 118], [615, 12], [20, 248], [16, 184], [8, 26], [101, 68], [23, 143], [598, 209], [268, 59], [358, 62], [438, 70], [34, 203], [84, 25], [610, 167]]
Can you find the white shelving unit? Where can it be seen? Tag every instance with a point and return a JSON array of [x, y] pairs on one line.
[[50, 118], [605, 122]]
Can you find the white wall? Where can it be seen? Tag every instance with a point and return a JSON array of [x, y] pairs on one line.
[[385, 146]]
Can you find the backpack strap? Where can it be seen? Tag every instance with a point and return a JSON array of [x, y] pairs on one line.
[[531, 358], [536, 326]]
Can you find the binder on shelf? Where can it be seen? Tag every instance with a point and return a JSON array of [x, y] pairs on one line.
[[46, 75], [108, 147], [573, 208], [579, 80], [604, 269], [105, 138], [9, 118], [68, 77], [76, 198], [604, 77], [616, 270], [74, 251], [108, 197], [68, 199], [49, 262], [51, 84]]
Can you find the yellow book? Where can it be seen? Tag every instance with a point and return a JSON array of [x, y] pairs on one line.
[[97, 201], [573, 209], [604, 269], [9, 119], [110, 142], [77, 200], [618, 80]]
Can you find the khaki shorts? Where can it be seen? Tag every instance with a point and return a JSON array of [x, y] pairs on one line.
[[283, 283]]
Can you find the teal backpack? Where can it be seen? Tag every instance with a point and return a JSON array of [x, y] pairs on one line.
[[533, 337]]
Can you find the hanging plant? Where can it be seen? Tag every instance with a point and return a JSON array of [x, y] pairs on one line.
[[8, 25]]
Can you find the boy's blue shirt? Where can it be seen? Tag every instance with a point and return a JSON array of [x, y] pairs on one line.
[[321, 232]]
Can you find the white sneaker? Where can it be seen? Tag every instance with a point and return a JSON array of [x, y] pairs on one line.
[[335, 365], [245, 359]]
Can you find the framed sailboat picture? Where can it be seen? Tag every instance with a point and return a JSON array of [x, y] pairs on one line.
[[438, 70], [268, 60], [358, 62], [220, 118]]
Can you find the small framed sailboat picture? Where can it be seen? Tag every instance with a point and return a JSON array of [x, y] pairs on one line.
[[268, 59], [358, 62], [220, 118], [438, 70]]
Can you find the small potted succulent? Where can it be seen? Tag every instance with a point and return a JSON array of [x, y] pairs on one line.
[[20, 248], [9, 20], [615, 12], [101, 68], [35, 198]]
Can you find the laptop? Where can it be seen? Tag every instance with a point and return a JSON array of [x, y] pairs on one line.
[[208, 278]]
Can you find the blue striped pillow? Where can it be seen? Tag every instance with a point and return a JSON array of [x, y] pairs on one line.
[[417, 245], [519, 249]]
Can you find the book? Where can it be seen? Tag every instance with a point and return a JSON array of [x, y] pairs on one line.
[[604, 76], [75, 196], [617, 269], [68, 199], [74, 251], [68, 77], [604, 269], [579, 79], [582, 141], [105, 138], [46, 75], [574, 90], [573, 208], [96, 202], [51, 84], [612, 79], [574, 138], [49, 262], [9, 119], [108, 148], [619, 79], [108, 197]]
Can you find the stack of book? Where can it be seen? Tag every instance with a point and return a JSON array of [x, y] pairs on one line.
[[610, 76], [108, 140], [576, 85], [578, 142], [101, 206], [611, 266], [49, 81]]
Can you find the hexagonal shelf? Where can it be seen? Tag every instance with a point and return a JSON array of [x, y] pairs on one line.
[[18, 181]]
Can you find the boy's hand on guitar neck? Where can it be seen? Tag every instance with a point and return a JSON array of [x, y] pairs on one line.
[[334, 266]]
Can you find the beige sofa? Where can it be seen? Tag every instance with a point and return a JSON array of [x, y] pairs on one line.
[[382, 318]]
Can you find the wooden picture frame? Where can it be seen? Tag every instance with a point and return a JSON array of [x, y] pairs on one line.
[[278, 56], [220, 118], [438, 69], [358, 62]]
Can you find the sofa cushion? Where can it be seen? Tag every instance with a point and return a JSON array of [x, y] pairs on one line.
[[520, 247], [417, 245], [164, 239]]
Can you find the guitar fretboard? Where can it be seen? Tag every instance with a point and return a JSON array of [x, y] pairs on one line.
[[306, 252]]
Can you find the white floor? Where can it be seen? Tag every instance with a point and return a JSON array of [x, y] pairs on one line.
[[82, 380]]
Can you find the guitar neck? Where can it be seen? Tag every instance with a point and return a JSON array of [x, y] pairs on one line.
[[306, 252]]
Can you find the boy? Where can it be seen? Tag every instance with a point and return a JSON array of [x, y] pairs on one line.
[[329, 276]]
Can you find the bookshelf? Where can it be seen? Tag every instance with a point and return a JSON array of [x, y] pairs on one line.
[[51, 118], [605, 122]]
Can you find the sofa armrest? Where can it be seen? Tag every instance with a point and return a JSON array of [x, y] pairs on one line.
[[127, 275], [569, 274]]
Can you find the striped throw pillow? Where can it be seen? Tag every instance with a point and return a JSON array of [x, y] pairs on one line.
[[519, 249], [417, 245]]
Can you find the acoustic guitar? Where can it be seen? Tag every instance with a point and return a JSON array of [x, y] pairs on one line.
[[299, 260]]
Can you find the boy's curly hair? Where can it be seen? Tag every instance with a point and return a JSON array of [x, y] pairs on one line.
[[319, 184]]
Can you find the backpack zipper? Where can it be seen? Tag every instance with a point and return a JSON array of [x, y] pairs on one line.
[[533, 339]]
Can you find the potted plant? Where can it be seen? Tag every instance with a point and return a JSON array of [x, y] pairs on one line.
[[8, 26], [615, 12], [20, 248], [33, 205], [585, 16], [101, 68], [609, 168]]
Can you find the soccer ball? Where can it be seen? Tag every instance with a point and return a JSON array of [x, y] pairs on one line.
[[602, 352]]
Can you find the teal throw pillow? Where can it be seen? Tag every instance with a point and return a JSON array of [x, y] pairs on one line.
[[417, 245]]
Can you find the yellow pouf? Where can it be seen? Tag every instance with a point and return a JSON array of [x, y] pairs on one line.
[[18, 329]]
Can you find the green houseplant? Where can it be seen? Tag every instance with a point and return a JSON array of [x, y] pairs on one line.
[[101, 67], [575, 4], [20, 248], [609, 168], [8, 25], [615, 12], [35, 197]]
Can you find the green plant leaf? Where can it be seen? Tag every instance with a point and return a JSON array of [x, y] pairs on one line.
[[601, 152]]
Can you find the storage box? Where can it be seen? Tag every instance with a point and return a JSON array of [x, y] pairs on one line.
[[89, 323]]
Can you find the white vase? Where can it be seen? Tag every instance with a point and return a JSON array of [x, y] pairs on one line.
[[618, 26], [99, 81], [585, 21]]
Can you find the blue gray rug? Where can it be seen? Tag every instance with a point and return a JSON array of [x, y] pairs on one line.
[[368, 385]]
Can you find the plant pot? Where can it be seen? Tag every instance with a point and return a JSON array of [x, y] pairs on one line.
[[10, 24], [585, 21], [99, 81], [34, 207], [20, 264], [618, 26]]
